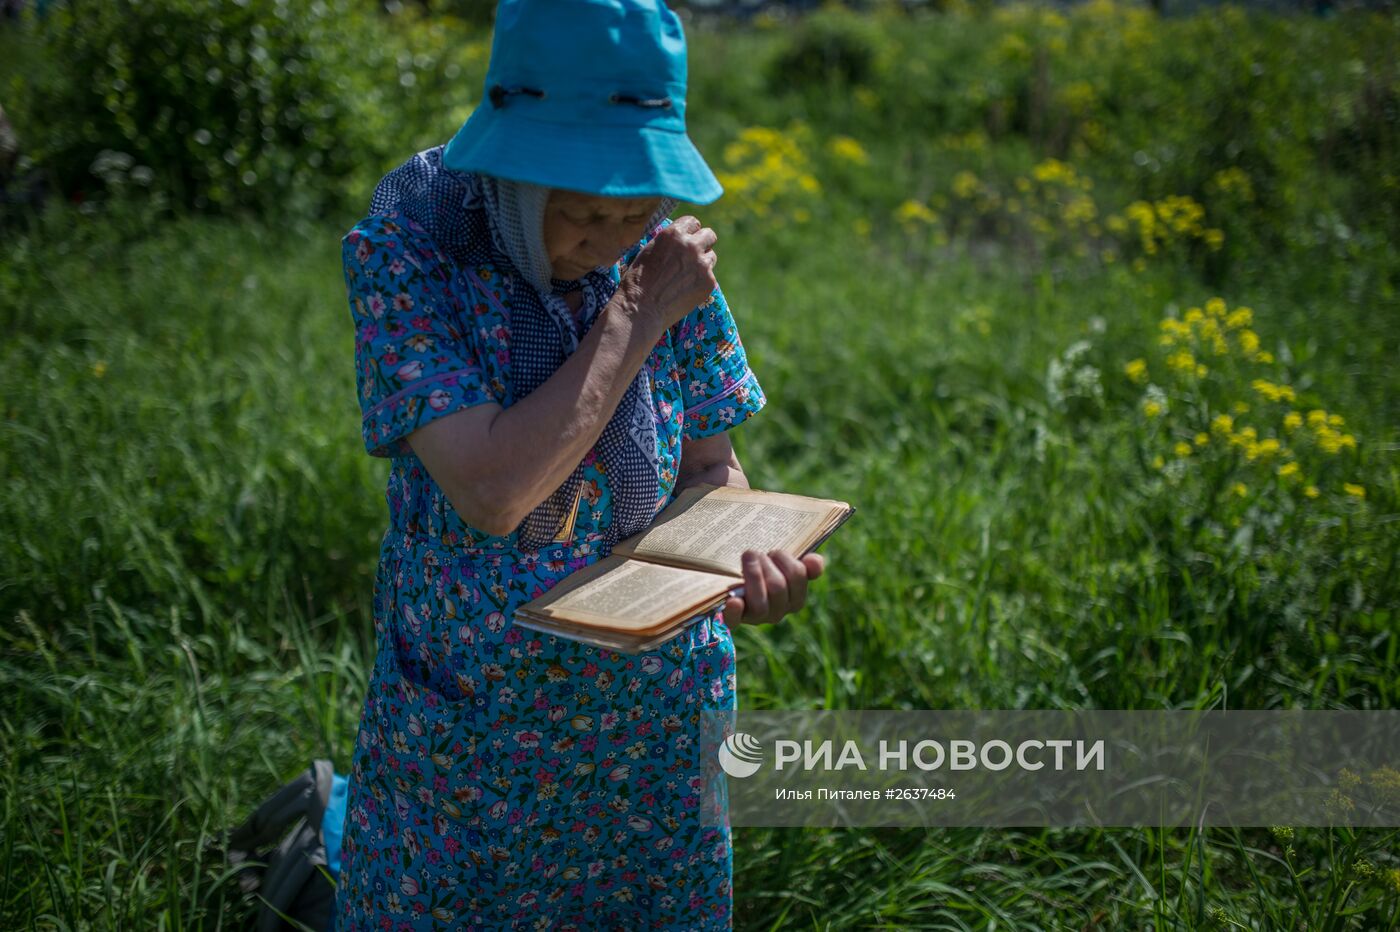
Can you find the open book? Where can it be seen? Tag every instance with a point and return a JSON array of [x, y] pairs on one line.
[[682, 567]]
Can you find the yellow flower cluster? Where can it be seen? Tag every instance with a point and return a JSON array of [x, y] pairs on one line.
[[1272, 392], [965, 184], [1012, 48], [1183, 361], [1211, 329], [1217, 330], [1053, 171], [1079, 98], [1158, 224], [1323, 427], [912, 213], [766, 167], [1233, 181], [846, 149], [1053, 201]]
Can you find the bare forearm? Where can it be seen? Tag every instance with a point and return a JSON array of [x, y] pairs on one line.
[[542, 437]]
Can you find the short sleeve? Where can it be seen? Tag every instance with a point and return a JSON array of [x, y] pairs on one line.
[[718, 388], [414, 360]]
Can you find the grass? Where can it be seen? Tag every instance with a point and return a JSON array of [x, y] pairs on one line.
[[192, 524]]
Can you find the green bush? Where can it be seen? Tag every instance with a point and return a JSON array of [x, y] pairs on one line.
[[217, 103], [834, 45]]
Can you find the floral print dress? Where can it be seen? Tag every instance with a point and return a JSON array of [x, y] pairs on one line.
[[504, 778]]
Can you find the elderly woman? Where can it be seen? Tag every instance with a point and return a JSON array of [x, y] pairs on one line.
[[546, 362]]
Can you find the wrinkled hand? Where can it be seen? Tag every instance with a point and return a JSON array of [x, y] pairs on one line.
[[775, 584], [674, 273]]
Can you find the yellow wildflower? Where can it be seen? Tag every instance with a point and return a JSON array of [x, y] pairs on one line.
[[1233, 181], [1136, 370], [1214, 238], [1292, 420], [1273, 392], [1215, 307], [1193, 315], [1249, 342], [1202, 439], [1239, 317], [1240, 489], [1264, 448], [912, 211], [1151, 408], [1329, 440], [1222, 423], [1287, 470], [1317, 417], [1240, 407], [1244, 438], [1264, 356], [1311, 491], [1355, 491], [1335, 420], [1201, 371], [1080, 210], [1182, 360], [1158, 462], [1182, 448], [965, 184], [848, 150]]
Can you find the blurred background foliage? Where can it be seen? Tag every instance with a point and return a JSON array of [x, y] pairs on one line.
[[1092, 311]]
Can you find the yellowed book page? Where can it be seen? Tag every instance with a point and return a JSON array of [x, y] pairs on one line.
[[712, 526], [624, 595]]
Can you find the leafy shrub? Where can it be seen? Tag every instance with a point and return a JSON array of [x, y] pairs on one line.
[[219, 103], [833, 46]]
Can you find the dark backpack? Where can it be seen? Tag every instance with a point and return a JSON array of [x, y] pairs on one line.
[[294, 879]]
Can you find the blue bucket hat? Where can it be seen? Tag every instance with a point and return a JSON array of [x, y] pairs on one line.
[[587, 95]]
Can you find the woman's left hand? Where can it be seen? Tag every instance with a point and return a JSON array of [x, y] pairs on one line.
[[775, 583]]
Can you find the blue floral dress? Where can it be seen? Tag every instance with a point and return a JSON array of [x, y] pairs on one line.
[[503, 778]]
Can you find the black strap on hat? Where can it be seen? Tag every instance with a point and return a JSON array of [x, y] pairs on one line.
[[498, 94], [661, 102]]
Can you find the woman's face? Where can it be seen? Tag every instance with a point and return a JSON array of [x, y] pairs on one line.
[[585, 231]]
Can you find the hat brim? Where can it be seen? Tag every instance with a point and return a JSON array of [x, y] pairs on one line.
[[608, 160]]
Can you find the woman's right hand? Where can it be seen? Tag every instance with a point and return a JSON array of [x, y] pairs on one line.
[[672, 274]]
